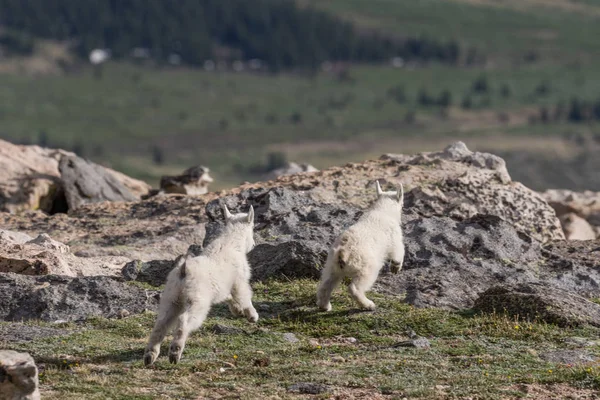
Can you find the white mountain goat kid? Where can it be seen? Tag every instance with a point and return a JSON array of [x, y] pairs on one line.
[[221, 273], [361, 251]]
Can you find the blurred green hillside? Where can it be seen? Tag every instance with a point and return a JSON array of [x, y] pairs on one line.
[[534, 80]]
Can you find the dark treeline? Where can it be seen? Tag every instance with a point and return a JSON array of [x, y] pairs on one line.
[[275, 31]]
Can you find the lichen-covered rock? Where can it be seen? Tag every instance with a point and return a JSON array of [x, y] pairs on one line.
[[43, 255], [579, 212], [84, 182], [540, 302], [30, 178], [576, 228], [152, 272], [18, 376], [52, 298]]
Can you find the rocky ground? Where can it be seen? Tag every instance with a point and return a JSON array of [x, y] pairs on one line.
[[488, 272]]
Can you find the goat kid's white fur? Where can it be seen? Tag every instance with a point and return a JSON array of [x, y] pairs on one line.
[[221, 273], [361, 251]]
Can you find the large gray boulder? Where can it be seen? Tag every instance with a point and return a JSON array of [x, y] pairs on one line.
[[539, 302], [18, 376], [84, 182]]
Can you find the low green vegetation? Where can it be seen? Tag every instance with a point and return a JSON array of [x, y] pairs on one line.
[[479, 356]]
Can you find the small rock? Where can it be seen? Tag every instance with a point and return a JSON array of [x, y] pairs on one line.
[[290, 337], [338, 359], [124, 313], [572, 357], [18, 376], [581, 342], [313, 342], [264, 307], [419, 343], [262, 362], [225, 330], [350, 340], [308, 388], [221, 370]]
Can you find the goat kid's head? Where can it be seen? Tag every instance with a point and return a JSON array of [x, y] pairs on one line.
[[397, 195], [242, 219]]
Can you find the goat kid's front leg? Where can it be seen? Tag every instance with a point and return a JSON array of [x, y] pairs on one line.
[[242, 298]]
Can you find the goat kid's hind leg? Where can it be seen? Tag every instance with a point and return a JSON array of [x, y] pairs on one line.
[[187, 322], [360, 285], [330, 280], [164, 321], [242, 299], [397, 257]]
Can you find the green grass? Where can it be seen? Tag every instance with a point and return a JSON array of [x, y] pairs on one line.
[[474, 355], [230, 122], [508, 28]]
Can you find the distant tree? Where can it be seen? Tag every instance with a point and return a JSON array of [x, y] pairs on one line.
[[467, 102], [505, 90], [397, 93], [542, 89], [559, 111], [43, 140], [544, 115], [445, 99], [296, 118], [576, 112], [596, 110], [481, 85], [158, 156], [424, 99]]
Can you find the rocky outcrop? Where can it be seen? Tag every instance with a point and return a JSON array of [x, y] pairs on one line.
[[579, 212], [454, 183], [30, 178], [22, 254], [193, 181], [541, 303], [18, 376], [468, 227], [52, 298]]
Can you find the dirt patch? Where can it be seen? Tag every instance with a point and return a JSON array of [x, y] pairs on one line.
[[552, 392]]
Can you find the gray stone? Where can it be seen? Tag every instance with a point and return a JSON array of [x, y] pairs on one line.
[[419, 343], [571, 357], [152, 272], [53, 297], [309, 388], [225, 330], [17, 332], [540, 302], [84, 182], [18, 376], [290, 337]]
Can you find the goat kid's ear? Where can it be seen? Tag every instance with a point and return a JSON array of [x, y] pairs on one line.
[[251, 215], [379, 191], [400, 193], [226, 212]]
